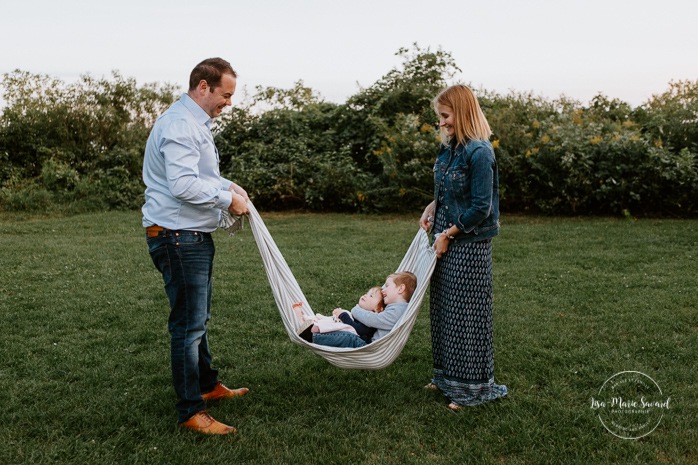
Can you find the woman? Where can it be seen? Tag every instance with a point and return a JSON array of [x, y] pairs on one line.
[[465, 217]]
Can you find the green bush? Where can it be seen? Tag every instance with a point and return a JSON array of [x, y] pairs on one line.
[[26, 197], [561, 157], [81, 145], [671, 118], [69, 142], [285, 156], [373, 153]]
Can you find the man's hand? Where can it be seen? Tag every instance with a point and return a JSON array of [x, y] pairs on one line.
[[239, 205], [235, 189]]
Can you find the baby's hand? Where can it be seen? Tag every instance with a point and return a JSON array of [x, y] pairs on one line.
[[337, 311]]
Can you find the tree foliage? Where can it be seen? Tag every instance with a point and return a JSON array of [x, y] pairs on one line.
[[81, 142], [81, 145]]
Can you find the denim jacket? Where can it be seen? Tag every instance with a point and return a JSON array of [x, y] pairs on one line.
[[467, 181]]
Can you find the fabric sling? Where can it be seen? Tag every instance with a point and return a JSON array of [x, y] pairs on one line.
[[419, 259]]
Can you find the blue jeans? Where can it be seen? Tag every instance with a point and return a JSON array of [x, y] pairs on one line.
[[185, 259], [338, 339]]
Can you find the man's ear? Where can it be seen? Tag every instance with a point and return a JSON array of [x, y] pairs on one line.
[[202, 88]]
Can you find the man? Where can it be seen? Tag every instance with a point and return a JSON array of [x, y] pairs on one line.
[[184, 198]]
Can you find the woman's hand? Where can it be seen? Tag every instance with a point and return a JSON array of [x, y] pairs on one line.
[[441, 244], [427, 219]]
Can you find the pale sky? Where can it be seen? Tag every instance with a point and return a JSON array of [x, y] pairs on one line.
[[626, 49]]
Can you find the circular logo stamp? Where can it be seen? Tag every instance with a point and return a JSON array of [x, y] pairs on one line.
[[630, 404]]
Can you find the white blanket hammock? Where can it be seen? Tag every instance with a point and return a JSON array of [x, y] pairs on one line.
[[419, 259]]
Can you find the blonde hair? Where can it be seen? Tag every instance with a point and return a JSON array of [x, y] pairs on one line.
[[406, 278], [469, 122]]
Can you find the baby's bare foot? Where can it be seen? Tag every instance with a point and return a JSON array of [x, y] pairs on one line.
[[298, 310]]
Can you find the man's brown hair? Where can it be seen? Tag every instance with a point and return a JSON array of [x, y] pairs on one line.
[[210, 70]]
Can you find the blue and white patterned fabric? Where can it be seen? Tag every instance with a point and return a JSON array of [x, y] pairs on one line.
[[461, 321]]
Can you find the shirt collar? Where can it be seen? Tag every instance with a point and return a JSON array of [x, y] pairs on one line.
[[199, 114]]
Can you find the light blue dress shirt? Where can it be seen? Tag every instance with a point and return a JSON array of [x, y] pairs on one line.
[[184, 187]]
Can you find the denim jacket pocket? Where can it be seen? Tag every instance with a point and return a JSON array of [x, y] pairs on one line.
[[439, 168], [458, 172], [459, 180]]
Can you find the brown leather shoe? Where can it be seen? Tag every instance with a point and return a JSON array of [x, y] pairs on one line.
[[203, 423], [222, 392]]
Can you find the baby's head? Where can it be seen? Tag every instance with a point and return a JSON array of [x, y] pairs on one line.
[[372, 300]]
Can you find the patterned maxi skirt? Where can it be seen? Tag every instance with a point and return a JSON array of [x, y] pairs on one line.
[[461, 322]]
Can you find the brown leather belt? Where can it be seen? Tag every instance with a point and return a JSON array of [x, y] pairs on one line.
[[154, 230]]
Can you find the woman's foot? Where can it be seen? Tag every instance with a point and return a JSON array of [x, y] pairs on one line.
[[431, 387], [454, 407]]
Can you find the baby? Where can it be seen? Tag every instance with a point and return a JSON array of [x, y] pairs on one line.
[[341, 320]]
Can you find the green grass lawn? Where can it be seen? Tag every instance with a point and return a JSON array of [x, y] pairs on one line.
[[85, 373]]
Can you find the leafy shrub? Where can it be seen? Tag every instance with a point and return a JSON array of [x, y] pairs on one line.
[[561, 157], [671, 118], [81, 145], [286, 156], [66, 140]]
